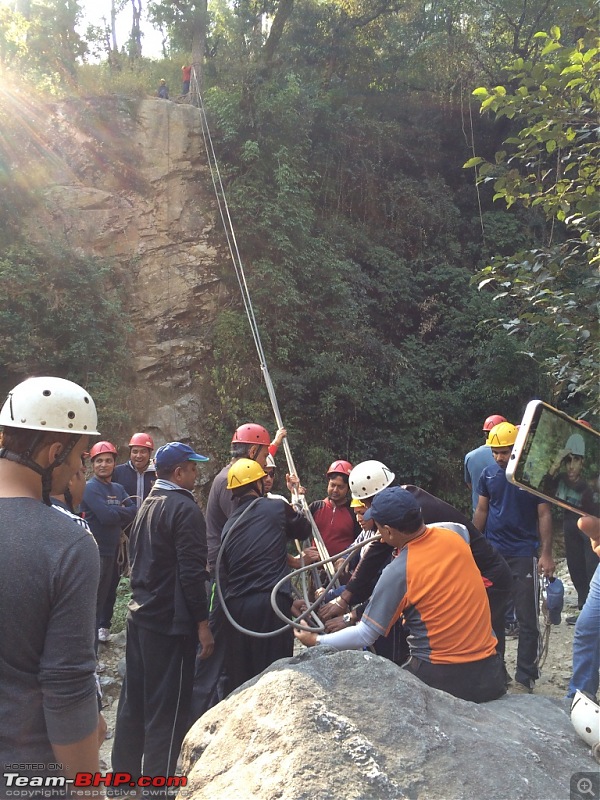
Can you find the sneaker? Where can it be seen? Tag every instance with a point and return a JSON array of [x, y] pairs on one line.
[[512, 630], [103, 635], [572, 620], [520, 688]]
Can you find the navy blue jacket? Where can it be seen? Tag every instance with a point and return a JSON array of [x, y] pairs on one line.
[[107, 509], [127, 476], [167, 549]]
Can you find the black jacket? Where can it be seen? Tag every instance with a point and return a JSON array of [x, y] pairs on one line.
[[167, 548], [255, 553], [489, 561]]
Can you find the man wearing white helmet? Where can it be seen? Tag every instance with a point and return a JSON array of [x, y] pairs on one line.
[[49, 575], [434, 583], [367, 480], [564, 480]]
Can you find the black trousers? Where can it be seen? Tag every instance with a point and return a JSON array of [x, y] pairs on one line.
[[247, 656], [210, 680], [394, 646], [152, 716], [107, 566], [477, 681], [498, 600], [109, 604], [581, 559], [525, 598]]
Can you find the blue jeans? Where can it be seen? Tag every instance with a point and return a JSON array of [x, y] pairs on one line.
[[586, 643]]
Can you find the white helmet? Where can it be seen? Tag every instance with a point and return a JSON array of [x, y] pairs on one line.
[[271, 462], [50, 404], [368, 478], [576, 445], [585, 716]]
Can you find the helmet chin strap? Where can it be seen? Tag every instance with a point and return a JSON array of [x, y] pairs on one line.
[[26, 460]]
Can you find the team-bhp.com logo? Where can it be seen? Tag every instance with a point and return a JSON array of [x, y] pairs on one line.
[[18, 785]]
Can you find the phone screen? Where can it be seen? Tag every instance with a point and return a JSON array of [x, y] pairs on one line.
[[560, 459]]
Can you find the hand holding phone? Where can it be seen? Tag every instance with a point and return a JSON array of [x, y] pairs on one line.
[[557, 458], [591, 527]]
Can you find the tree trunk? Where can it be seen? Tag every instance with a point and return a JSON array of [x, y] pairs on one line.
[[113, 26], [135, 40], [198, 46], [282, 15]]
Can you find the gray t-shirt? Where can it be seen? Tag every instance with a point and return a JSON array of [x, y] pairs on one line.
[[218, 510], [49, 569]]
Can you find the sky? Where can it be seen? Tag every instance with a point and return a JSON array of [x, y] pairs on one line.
[[94, 10]]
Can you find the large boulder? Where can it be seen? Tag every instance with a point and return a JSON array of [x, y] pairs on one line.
[[350, 725]]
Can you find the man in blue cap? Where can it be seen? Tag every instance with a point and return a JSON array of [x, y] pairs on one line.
[[434, 583], [168, 616]]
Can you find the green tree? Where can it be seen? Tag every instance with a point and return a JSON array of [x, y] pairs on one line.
[[41, 43], [45, 327], [550, 165]]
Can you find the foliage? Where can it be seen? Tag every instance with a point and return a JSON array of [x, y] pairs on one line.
[[353, 265], [119, 617], [340, 141], [42, 45], [551, 164], [132, 80], [45, 327]]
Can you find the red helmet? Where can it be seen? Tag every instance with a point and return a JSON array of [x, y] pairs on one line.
[[102, 447], [342, 467], [251, 433], [584, 422], [492, 421], [141, 440]]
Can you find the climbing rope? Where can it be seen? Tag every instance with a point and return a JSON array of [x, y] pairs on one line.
[[310, 611], [223, 206]]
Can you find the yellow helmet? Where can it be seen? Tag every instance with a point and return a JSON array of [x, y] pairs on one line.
[[357, 503], [243, 472], [502, 435]]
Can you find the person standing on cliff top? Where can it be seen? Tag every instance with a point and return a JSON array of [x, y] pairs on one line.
[[186, 74]]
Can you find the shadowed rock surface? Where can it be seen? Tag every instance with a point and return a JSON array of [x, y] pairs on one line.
[[353, 725], [127, 180]]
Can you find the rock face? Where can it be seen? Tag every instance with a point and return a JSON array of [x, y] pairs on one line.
[[352, 725], [128, 180]]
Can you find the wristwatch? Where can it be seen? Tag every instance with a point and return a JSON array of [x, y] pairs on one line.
[[347, 619]]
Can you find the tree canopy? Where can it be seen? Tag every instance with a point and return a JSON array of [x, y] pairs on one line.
[[341, 128], [550, 164]]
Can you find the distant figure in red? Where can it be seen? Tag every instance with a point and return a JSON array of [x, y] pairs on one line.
[[186, 73]]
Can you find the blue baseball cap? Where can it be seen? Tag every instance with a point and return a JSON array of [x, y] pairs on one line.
[[174, 453], [393, 506]]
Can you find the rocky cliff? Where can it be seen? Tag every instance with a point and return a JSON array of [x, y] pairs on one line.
[[127, 180]]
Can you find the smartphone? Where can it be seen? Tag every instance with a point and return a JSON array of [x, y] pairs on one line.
[[557, 458]]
